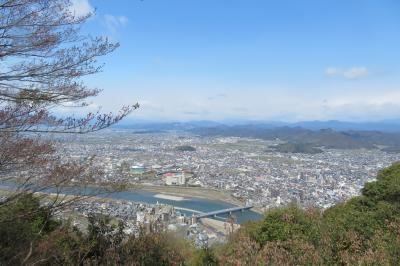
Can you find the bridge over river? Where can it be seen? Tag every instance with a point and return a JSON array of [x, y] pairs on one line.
[[218, 212]]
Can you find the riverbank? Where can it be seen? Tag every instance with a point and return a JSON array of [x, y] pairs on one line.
[[193, 202], [174, 193], [190, 192], [195, 192], [169, 197]]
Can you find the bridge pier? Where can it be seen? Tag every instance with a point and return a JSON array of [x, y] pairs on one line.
[[194, 219]]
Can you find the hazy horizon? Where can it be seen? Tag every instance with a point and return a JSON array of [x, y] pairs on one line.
[[132, 119], [249, 60]]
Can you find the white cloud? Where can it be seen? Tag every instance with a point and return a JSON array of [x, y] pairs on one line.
[[355, 72], [332, 71], [349, 73], [113, 22], [377, 98], [81, 7], [70, 108]]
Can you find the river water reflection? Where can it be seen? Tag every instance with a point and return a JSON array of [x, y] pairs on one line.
[[196, 204]]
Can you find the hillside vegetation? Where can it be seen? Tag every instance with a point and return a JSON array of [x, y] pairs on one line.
[[362, 231], [185, 148], [327, 138], [296, 148]]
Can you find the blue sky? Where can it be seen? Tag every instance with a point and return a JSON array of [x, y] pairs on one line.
[[250, 59]]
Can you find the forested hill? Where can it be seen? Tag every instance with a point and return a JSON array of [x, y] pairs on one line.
[[327, 138]]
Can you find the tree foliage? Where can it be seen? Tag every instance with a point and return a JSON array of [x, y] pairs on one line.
[[30, 235], [361, 231], [43, 58], [23, 222]]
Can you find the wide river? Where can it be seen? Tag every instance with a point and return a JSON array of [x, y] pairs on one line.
[[195, 204]]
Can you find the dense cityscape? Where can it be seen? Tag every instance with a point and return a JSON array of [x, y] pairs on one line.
[[249, 171], [244, 167]]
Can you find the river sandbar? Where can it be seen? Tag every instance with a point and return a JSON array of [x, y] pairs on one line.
[[169, 197]]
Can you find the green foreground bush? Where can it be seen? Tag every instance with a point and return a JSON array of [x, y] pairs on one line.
[[362, 231]]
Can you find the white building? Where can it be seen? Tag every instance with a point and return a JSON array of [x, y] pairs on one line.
[[175, 179]]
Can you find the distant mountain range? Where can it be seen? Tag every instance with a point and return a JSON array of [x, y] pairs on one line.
[[383, 135], [328, 138], [384, 125]]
